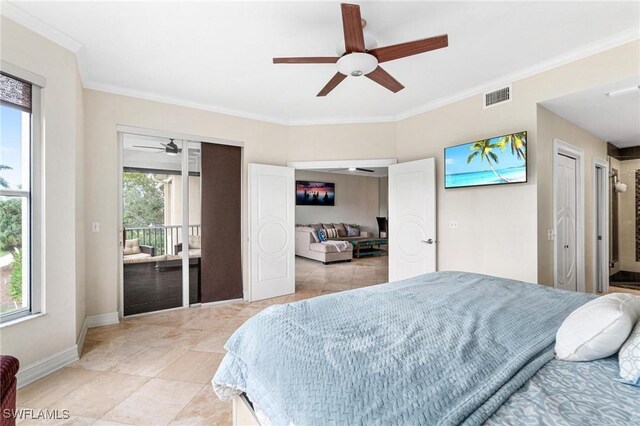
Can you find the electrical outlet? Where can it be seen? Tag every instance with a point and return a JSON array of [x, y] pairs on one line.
[[95, 226], [551, 234], [453, 224]]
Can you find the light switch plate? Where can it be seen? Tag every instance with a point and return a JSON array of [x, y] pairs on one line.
[[95, 226], [453, 224]]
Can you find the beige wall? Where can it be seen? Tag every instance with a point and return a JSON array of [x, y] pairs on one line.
[[356, 201], [550, 127], [38, 338], [627, 216], [498, 230]]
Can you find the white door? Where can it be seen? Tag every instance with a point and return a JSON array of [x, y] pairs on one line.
[[566, 238], [412, 219], [271, 231]]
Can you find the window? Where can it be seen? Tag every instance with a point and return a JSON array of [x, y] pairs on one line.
[[19, 291]]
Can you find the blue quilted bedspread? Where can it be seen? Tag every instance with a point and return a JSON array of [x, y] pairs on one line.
[[442, 348]]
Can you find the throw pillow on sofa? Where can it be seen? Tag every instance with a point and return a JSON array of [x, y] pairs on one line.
[[353, 230], [331, 233], [342, 231], [322, 235]]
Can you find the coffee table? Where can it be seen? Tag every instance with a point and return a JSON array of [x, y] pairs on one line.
[[368, 247]]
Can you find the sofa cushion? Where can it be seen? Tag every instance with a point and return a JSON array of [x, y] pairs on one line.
[[327, 225], [342, 231], [332, 233], [195, 242], [132, 246], [143, 258], [326, 248], [313, 232]]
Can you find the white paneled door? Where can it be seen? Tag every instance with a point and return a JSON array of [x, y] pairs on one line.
[[271, 231], [412, 219], [566, 239]]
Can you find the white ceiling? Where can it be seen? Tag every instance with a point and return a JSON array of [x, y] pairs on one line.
[[614, 119], [217, 55]]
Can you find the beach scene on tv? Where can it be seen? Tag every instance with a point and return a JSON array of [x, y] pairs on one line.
[[315, 193], [495, 161]]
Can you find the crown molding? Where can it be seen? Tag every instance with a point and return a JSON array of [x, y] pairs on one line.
[[18, 15], [611, 42], [14, 13]]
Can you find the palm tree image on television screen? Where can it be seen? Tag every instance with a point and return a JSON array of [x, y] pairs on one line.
[[494, 161]]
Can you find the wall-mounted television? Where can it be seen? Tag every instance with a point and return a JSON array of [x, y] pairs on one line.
[[495, 161], [315, 193]]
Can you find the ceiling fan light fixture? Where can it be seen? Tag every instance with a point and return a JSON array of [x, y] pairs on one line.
[[357, 64], [352, 169]]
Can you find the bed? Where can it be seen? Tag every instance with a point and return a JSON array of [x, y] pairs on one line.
[[443, 348]]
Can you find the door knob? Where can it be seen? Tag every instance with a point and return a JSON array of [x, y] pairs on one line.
[[429, 241]]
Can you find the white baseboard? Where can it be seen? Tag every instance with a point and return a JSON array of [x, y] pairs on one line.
[[102, 319], [82, 336], [222, 302], [33, 372]]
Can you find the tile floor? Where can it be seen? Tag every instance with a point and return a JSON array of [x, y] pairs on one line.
[[156, 369]]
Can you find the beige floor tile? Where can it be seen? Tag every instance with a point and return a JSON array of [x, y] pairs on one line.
[[194, 367], [100, 395], [72, 420], [155, 403], [186, 345], [205, 409], [182, 338], [53, 387], [150, 361], [214, 343]]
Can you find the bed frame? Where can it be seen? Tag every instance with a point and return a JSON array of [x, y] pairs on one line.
[[243, 414]]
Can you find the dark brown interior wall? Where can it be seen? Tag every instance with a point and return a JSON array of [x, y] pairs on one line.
[[221, 263]]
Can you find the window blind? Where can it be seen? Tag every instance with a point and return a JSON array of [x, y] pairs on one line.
[[15, 92]]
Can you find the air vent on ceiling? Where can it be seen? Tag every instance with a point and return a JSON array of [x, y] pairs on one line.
[[497, 96]]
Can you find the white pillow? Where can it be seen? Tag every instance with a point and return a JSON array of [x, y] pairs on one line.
[[629, 358], [597, 329]]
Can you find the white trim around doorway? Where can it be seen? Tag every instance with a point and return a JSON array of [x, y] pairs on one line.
[[341, 164], [562, 148], [604, 213]]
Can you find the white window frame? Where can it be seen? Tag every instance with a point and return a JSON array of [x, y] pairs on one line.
[[35, 196]]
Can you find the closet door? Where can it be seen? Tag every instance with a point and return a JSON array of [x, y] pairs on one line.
[[221, 261]]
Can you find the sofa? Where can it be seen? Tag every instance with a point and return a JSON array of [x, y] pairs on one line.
[[308, 244], [8, 369]]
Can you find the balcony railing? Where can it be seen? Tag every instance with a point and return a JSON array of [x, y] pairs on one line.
[[163, 237]]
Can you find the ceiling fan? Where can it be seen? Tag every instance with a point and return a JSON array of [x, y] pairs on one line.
[[169, 148], [358, 60]]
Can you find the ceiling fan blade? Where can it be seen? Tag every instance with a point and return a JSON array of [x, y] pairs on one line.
[[364, 170], [402, 50], [147, 147], [307, 60], [352, 24], [385, 79], [332, 84]]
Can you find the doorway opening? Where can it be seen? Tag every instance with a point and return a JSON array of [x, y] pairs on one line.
[[341, 227], [624, 210]]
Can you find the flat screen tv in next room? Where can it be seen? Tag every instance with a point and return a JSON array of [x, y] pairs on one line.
[[496, 161], [315, 193]]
